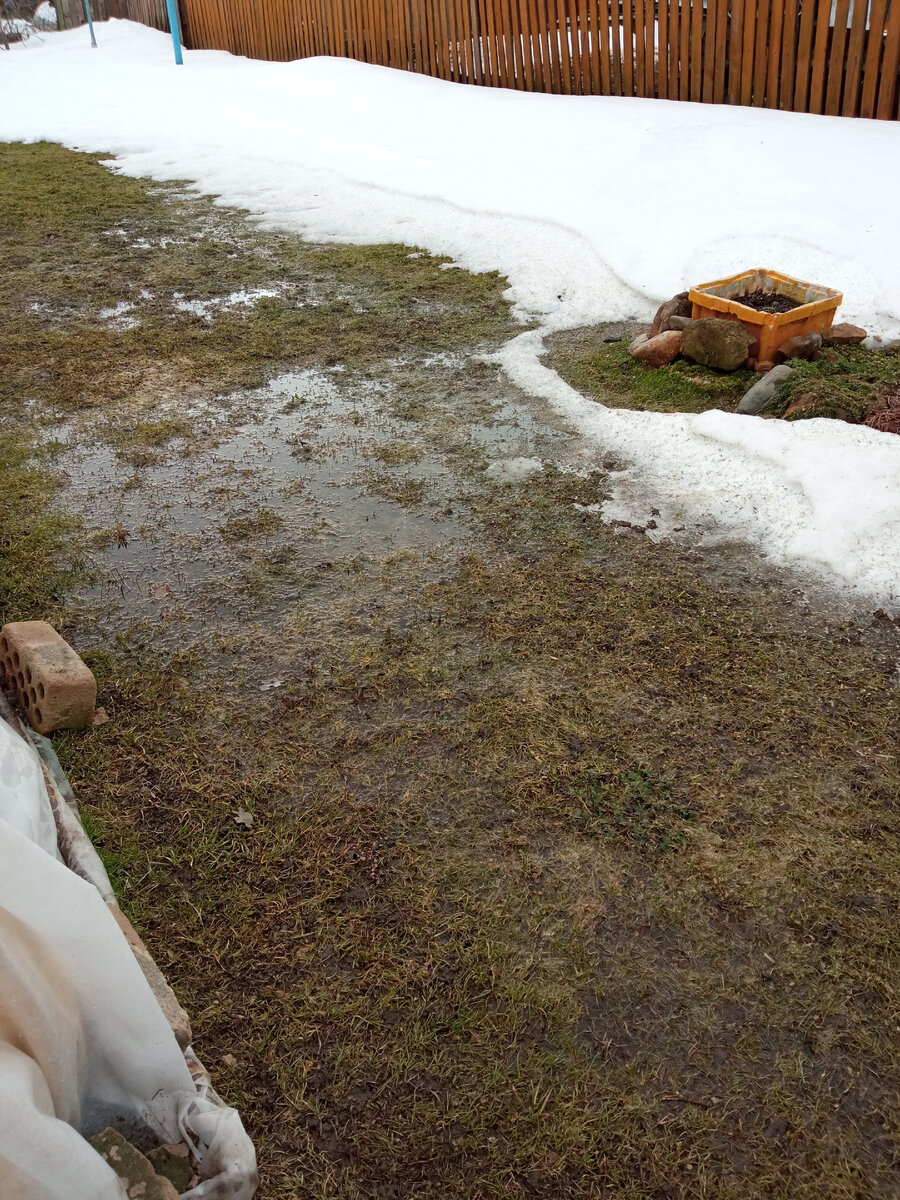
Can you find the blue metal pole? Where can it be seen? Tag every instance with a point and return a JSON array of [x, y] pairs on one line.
[[173, 25], [87, 10]]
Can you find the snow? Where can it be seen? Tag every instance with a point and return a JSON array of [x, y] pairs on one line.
[[594, 208], [45, 15]]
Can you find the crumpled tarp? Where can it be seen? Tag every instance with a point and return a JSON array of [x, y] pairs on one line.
[[83, 1042]]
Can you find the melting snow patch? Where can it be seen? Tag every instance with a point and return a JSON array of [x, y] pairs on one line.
[[512, 470]]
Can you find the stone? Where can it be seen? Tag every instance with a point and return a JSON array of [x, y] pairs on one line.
[[677, 322], [133, 1168], [678, 306], [172, 1163], [53, 686], [804, 345], [763, 366], [659, 351], [844, 335], [638, 341], [765, 390], [179, 1021], [714, 342]]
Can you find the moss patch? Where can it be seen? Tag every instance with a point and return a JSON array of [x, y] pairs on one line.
[[605, 371]]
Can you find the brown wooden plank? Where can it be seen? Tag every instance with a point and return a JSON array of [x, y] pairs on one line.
[[709, 48], [590, 63], [835, 68], [788, 54], [564, 45], [853, 75], [684, 50], [722, 20], [640, 50], [696, 53], [628, 47], [614, 36], [760, 53], [819, 57], [735, 51], [803, 68], [887, 86], [649, 21], [515, 68], [536, 47], [776, 26], [872, 61], [662, 51], [672, 51]]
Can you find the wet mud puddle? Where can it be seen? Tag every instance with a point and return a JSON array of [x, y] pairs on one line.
[[261, 499]]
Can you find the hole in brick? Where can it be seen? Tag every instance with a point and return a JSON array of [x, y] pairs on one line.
[[26, 700], [28, 675], [37, 715], [40, 688], [33, 694], [4, 644], [15, 660], [20, 680]]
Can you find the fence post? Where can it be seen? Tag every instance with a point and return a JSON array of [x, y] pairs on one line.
[[60, 14], [173, 26], [87, 13]]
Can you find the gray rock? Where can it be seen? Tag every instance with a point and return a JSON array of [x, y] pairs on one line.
[[765, 390], [677, 322], [678, 306], [638, 341], [713, 342]]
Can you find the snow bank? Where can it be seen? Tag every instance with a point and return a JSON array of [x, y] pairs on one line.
[[586, 204]]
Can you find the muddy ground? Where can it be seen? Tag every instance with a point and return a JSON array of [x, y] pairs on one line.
[[573, 864]]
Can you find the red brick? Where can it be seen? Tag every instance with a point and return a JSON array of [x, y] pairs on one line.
[[53, 686]]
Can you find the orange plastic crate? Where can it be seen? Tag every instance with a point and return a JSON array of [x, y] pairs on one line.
[[722, 298]]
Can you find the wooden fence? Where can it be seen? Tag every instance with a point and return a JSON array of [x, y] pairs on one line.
[[840, 57], [148, 12]]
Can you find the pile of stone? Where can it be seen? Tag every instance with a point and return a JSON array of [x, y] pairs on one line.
[[724, 345]]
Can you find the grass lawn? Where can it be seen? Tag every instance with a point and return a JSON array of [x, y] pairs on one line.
[[574, 859]]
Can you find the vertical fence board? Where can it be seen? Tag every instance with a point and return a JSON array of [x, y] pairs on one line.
[[887, 88], [853, 74], [662, 51], [834, 77], [650, 46], [698, 18], [774, 41], [735, 49], [873, 59], [684, 56], [760, 54], [819, 57], [639, 50], [788, 56]]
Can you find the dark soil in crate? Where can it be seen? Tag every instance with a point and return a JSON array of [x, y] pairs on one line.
[[768, 302]]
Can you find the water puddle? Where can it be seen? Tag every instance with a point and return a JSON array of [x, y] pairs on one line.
[[277, 492]]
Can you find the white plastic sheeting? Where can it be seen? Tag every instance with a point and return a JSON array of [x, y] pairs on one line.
[[83, 1043]]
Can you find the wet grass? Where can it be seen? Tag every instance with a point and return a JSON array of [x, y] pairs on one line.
[[606, 372], [78, 240], [40, 553], [574, 865], [554, 886]]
